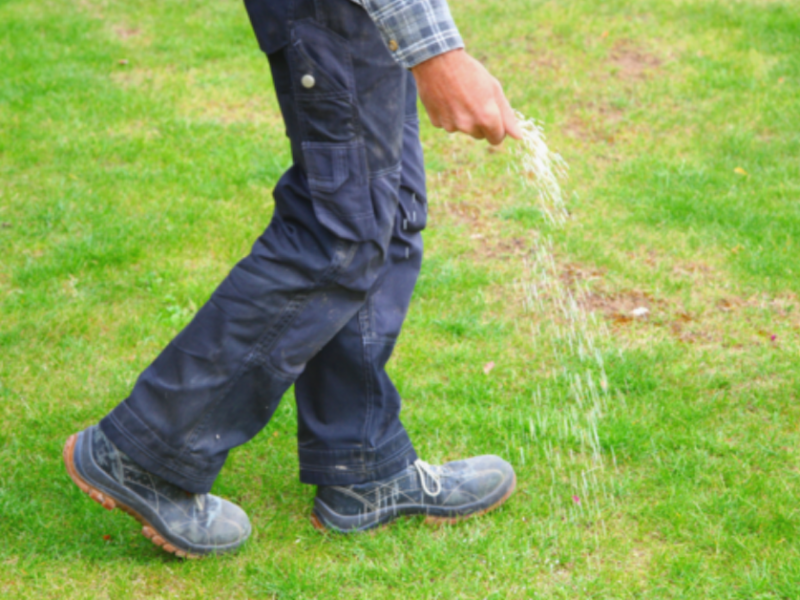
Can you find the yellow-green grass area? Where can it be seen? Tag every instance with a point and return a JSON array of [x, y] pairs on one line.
[[139, 143]]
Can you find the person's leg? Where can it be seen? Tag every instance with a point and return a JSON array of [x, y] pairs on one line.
[[349, 430], [218, 383]]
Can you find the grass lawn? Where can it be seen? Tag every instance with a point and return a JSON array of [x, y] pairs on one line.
[[139, 143]]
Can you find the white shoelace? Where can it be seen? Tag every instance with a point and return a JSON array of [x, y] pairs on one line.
[[424, 469]]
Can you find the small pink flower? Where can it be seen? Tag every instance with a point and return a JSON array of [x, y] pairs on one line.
[[576, 499], [774, 337]]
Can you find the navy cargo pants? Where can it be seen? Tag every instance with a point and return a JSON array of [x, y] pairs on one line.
[[320, 299]]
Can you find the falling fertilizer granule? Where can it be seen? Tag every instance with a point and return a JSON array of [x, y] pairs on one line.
[[569, 407], [541, 170]]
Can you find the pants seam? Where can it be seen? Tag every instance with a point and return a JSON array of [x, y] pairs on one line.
[[364, 323]]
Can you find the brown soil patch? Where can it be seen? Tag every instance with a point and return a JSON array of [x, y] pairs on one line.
[[784, 306], [595, 122], [730, 321], [124, 33], [485, 240], [632, 64], [619, 306], [484, 229], [573, 273], [694, 270], [470, 214]]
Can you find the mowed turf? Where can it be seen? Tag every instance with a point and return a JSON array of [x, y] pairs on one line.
[[139, 143]]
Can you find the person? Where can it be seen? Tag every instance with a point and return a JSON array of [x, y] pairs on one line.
[[320, 299]]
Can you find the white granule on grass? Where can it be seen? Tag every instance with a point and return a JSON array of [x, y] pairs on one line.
[[541, 169]]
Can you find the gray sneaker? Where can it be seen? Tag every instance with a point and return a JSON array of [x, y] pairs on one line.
[[189, 525], [449, 493]]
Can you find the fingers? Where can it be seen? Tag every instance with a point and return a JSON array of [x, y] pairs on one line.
[[484, 124], [495, 130], [510, 124], [492, 123], [492, 119]]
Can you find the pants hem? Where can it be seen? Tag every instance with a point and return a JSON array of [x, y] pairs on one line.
[[349, 467], [129, 443]]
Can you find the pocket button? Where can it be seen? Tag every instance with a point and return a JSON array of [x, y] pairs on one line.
[[308, 81]]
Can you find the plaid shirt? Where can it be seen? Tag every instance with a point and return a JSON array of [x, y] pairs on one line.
[[414, 30]]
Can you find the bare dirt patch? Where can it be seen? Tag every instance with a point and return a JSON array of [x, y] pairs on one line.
[[631, 63], [595, 122], [124, 33], [574, 274], [475, 216], [783, 307], [723, 321], [619, 306], [488, 233]]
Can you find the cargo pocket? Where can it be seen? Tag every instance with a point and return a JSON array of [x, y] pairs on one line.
[[338, 182], [335, 159], [323, 84]]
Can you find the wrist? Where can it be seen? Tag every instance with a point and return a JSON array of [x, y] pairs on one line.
[[439, 62]]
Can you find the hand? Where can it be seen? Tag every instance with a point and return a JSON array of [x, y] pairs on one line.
[[461, 95]]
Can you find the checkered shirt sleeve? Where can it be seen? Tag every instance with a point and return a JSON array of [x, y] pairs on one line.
[[414, 30]]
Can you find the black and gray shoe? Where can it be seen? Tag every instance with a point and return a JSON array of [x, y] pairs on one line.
[[446, 493], [189, 525]]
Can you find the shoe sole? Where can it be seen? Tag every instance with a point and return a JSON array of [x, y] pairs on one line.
[[429, 519], [109, 503]]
